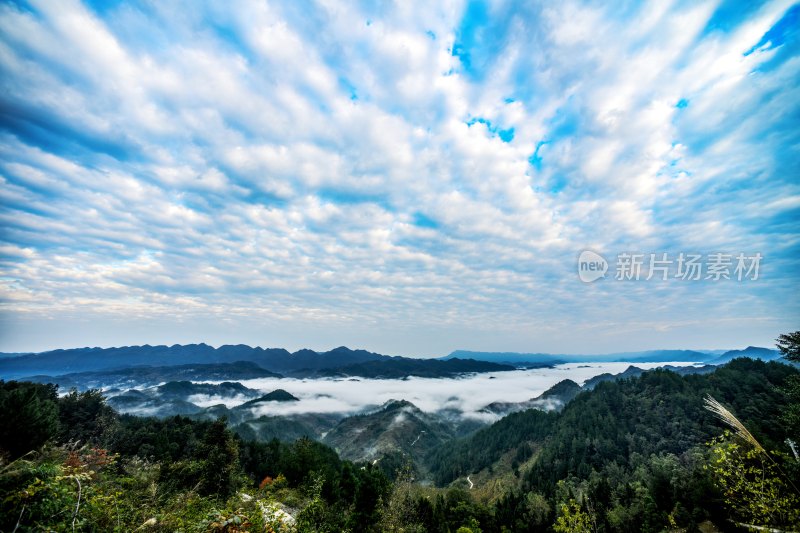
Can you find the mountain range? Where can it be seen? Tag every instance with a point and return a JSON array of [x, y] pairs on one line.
[[396, 432], [156, 364], [714, 357], [201, 361], [277, 360]]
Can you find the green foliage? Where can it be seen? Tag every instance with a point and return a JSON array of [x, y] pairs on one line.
[[658, 413], [167, 440], [272, 518], [627, 456], [317, 516], [219, 455], [461, 457], [60, 491], [631, 451], [228, 521], [755, 489], [572, 519], [28, 416], [85, 418], [791, 414], [402, 513], [172, 475], [789, 345]]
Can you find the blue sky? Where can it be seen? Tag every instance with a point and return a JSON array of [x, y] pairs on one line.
[[410, 178]]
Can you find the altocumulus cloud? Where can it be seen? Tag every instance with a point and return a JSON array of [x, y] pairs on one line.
[[411, 177]]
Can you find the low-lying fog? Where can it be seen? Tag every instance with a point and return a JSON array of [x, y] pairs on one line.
[[466, 394]]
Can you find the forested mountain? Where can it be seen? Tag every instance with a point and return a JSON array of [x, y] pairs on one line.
[[153, 375], [647, 432], [399, 367], [638, 453], [174, 397], [397, 427], [145, 365], [59, 362], [285, 428], [635, 371], [653, 412], [278, 395], [84, 366], [554, 398], [753, 352]]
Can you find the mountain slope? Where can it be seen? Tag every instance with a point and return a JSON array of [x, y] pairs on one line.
[[657, 412], [153, 375], [399, 426], [278, 395], [635, 371], [399, 367], [175, 398], [555, 397], [753, 352]]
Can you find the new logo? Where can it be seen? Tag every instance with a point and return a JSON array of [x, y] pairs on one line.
[[591, 266]]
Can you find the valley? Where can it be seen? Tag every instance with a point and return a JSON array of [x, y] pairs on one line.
[[366, 406], [499, 448]]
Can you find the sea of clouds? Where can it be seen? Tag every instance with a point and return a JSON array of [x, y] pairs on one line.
[[467, 395]]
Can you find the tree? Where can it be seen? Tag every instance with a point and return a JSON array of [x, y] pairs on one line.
[[28, 416], [789, 345], [220, 460], [316, 516], [754, 489], [572, 519], [85, 417], [757, 491], [402, 512]]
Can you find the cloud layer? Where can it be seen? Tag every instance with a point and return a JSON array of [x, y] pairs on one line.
[[410, 178], [467, 395]]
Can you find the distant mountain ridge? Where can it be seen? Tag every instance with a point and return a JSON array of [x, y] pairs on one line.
[[398, 367], [714, 357], [753, 352], [153, 375], [277, 360], [98, 367], [308, 363]]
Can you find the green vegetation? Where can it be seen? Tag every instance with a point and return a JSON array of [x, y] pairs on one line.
[[631, 454], [638, 454], [71, 461]]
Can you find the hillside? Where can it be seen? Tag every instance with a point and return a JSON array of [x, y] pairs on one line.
[[753, 352], [662, 409], [629, 453], [556, 397], [618, 433], [397, 427], [278, 395]]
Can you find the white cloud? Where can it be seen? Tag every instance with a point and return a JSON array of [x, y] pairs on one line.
[[155, 165], [468, 395]]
